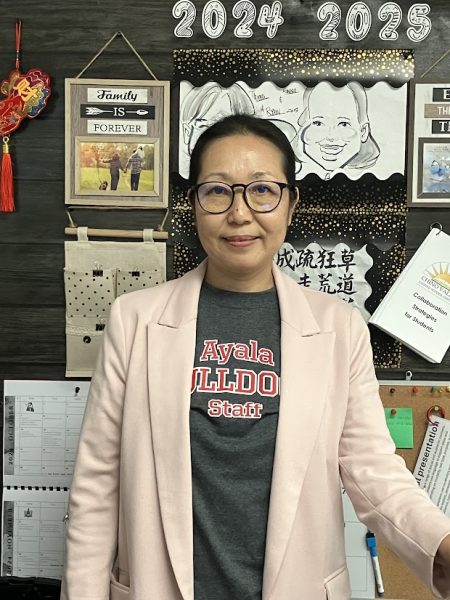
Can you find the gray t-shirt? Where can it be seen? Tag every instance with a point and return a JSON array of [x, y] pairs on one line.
[[233, 424]]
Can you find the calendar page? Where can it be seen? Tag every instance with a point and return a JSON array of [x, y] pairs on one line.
[[33, 532], [42, 421]]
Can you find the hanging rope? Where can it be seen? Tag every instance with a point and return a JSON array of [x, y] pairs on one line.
[[132, 48], [435, 64], [18, 41]]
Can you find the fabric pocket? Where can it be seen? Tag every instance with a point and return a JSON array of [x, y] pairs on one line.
[[338, 585], [130, 281], [89, 293], [83, 341], [118, 590]]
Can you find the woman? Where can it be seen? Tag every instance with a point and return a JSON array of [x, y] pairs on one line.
[[198, 476], [115, 166]]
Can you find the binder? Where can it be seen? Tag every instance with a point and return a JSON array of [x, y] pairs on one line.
[[416, 310]]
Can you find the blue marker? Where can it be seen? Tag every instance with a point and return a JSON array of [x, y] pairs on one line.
[[372, 545]]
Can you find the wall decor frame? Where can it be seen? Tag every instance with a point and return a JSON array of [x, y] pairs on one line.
[[429, 144], [117, 142]]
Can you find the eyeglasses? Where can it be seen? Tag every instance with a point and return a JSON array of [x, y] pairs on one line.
[[260, 196]]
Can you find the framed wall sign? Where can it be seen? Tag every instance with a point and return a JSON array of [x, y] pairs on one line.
[[117, 142], [429, 144]]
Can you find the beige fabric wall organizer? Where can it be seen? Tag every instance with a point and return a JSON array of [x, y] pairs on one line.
[[95, 274]]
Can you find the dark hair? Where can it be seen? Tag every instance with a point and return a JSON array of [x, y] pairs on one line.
[[246, 125]]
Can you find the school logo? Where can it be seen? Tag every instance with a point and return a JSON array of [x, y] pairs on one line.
[[440, 274]]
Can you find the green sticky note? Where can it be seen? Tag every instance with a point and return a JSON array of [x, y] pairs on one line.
[[400, 426]]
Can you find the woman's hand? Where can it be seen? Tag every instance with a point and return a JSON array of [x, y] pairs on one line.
[[443, 553]]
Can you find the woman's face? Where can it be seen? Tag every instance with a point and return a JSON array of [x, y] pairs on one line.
[[240, 243], [334, 134]]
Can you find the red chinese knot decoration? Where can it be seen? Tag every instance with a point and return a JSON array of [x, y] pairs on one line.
[[26, 96]]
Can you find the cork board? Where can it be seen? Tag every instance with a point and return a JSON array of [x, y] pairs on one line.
[[399, 581]]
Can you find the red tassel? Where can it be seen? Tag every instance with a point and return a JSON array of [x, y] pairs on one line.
[[6, 180]]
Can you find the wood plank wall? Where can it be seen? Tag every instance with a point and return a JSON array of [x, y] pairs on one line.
[[61, 37]]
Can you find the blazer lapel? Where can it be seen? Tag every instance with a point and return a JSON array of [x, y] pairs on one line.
[[305, 362], [171, 350]]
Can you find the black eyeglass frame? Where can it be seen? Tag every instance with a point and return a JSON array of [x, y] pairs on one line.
[[283, 185]]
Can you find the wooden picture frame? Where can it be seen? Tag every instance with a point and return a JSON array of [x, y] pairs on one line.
[[429, 144], [117, 143]]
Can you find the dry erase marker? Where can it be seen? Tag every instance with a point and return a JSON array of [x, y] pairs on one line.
[[372, 545]]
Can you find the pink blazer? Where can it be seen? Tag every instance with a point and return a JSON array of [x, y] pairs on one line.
[[129, 533]]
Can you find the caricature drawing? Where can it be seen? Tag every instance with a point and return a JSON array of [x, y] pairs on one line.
[[334, 130], [205, 105]]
